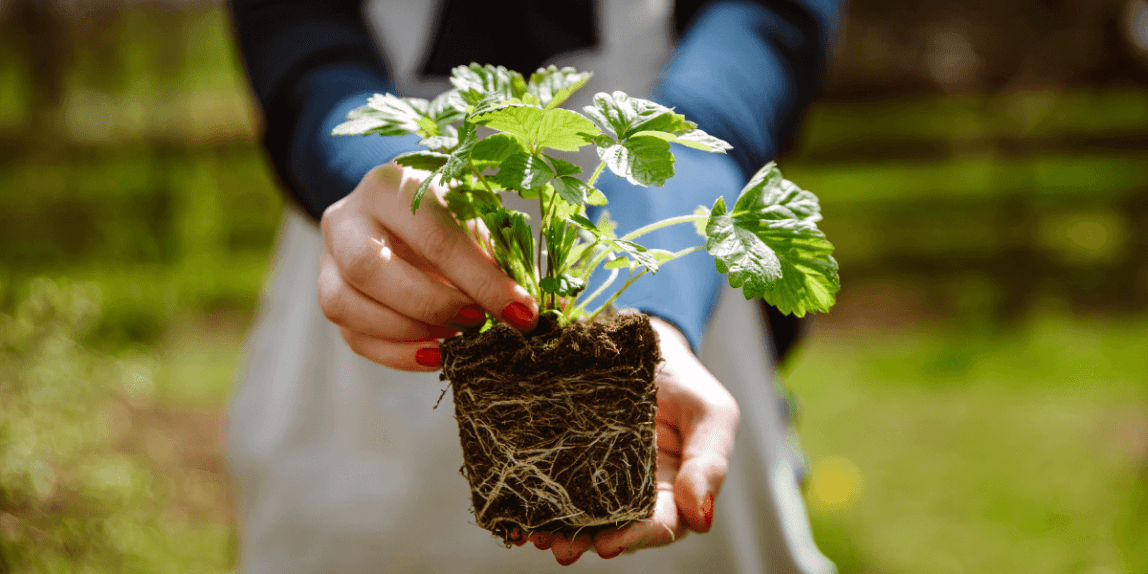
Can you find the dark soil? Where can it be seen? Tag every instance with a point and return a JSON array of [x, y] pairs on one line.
[[557, 428]]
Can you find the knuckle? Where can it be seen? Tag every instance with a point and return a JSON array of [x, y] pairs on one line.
[[433, 310], [354, 341], [437, 243], [487, 287], [331, 213], [332, 302], [359, 264], [718, 467]]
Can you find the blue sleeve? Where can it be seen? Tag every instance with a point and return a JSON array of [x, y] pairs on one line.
[[745, 72], [310, 63]]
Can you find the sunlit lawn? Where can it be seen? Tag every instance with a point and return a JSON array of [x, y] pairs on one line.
[[944, 452]]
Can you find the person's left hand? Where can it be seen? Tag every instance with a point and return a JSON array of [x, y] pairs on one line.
[[696, 422]]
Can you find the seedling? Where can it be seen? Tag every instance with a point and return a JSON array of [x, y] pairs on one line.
[[768, 242], [557, 428]]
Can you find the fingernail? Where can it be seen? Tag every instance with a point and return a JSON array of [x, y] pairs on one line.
[[708, 510], [518, 315], [614, 555], [469, 315], [569, 561], [542, 542], [429, 357]]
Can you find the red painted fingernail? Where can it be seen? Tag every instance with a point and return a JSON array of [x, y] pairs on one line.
[[469, 315], [429, 357], [542, 542], [569, 561], [614, 555], [518, 315], [708, 510]]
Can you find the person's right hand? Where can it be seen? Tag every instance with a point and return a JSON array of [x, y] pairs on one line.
[[394, 281]]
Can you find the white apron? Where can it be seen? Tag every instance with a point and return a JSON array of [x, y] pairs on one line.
[[340, 465]]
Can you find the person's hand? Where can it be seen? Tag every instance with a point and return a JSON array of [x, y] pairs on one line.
[[394, 281], [696, 422]]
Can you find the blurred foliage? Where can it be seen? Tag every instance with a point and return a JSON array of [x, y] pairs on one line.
[[1020, 452], [86, 483]]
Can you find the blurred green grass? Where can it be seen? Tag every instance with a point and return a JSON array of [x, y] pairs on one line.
[[1012, 453]]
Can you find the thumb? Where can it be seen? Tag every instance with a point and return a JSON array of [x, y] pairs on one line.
[[435, 235], [706, 416], [706, 451]]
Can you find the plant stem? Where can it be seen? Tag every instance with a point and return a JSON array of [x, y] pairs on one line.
[[480, 177], [586, 301], [630, 281], [541, 233], [597, 172], [663, 223], [639, 232]]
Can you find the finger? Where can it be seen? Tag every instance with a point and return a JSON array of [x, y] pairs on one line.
[[366, 261], [348, 307], [434, 234], [541, 540], [707, 443], [567, 551], [661, 529], [414, 356]]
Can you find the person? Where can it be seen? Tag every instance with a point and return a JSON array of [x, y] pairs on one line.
[[336, 462]]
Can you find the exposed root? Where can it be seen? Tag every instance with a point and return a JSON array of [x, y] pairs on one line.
[[557, 430]]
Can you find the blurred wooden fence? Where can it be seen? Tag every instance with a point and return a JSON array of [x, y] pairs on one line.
[[140, 170]]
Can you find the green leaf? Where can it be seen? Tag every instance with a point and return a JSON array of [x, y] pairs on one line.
[[585, 224], [642, 160], [463, 202], [559, 209], [560, 239], [520, 120], [564, 284], [696, 139], [384, 114], [596, 197], [524, 172], [771, 247], [769, 196], [553, 85], [440, 142], [447, 108], [477, 84], [572, 190], [700, 226], [511, 240], [637, 253], [456, 164], [422, 190], [427, 160], [658, 256], [699, 139], [625, 115], [495, 149], [565, 130], [620, 263], [562, 167], [606, 226], [558, 129]]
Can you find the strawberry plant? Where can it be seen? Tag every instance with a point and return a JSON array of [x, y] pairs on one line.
[[767, 243]]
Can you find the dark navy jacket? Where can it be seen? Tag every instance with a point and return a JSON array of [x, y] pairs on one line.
[[745, 71]]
